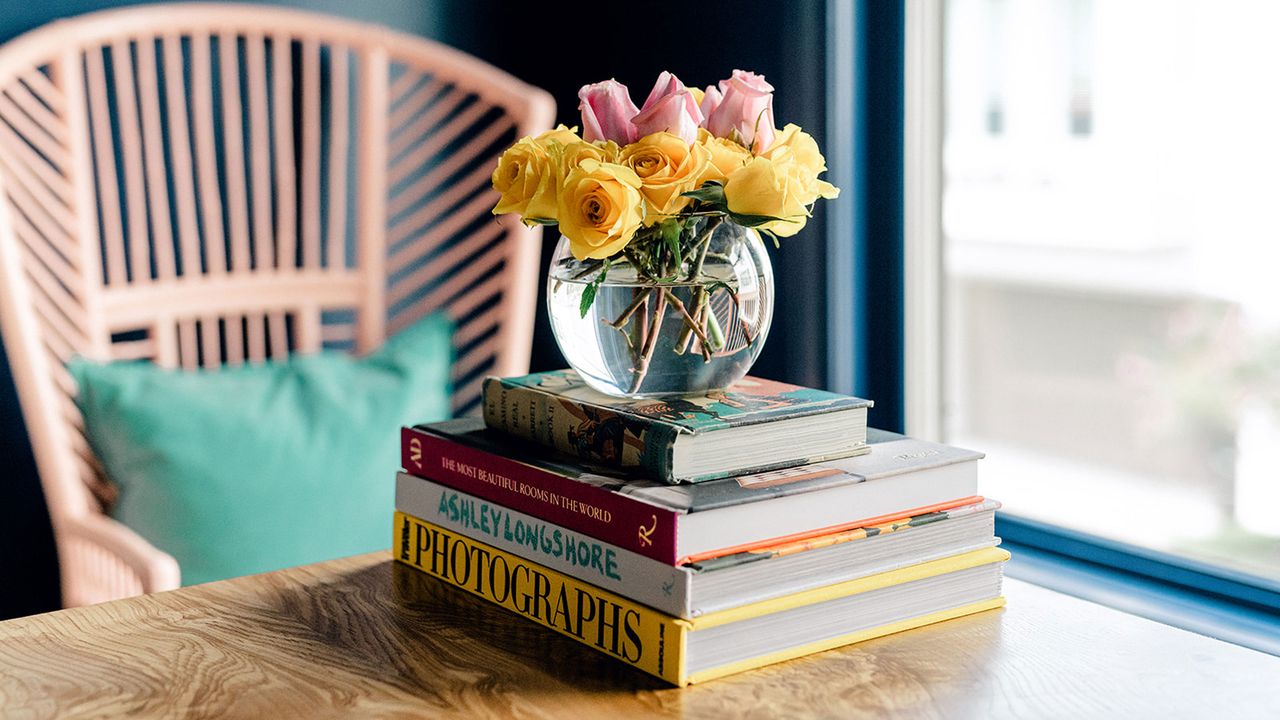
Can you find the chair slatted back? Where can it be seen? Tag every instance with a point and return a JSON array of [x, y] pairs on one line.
[[199, 185]]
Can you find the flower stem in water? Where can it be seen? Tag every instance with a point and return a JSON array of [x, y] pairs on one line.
[[689, 322], [650, 343], [631, 308]]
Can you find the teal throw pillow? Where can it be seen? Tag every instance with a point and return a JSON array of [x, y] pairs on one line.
[[255, 468]]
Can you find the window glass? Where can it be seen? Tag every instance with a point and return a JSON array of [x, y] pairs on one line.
[[1111, 220]]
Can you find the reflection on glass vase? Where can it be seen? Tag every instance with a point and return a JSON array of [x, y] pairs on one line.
[[697, 328]]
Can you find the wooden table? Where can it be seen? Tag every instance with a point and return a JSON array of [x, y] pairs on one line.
[[363, 637]]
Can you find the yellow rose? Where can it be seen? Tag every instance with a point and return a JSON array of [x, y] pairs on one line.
[[797, 150], [563, 135], [610, 149], [666, 166], [782, 182], [725, 155], [600, 208], [526, 179], [766, 187], [529, 173], [570, 155]]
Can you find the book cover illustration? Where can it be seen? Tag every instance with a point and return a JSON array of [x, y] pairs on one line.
[[748, 401], [557, 409]]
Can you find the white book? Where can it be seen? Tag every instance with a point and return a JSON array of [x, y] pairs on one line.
[[689, 591]]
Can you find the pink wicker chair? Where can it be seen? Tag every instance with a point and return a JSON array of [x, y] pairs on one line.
[[206, 184]]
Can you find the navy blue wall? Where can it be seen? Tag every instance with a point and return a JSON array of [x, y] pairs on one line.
[[700, 42]]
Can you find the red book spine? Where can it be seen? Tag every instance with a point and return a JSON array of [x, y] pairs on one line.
[[590, 510]]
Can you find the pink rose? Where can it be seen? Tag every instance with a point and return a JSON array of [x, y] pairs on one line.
[[607, 111], [711, 98], [745, 113], [670, 108]]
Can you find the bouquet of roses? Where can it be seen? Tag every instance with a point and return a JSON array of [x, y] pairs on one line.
[[648, 186], [684, 153]]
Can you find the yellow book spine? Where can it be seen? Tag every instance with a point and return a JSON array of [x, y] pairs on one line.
[[635, 634]]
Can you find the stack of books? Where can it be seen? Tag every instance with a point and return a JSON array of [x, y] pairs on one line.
[[696, 537]]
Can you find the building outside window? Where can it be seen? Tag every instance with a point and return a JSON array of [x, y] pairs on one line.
[[1111, 255]]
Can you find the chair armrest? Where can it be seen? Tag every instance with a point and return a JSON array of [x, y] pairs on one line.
[[104, 560]]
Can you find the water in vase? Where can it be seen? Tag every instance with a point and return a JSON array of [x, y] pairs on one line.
[[708, 333]]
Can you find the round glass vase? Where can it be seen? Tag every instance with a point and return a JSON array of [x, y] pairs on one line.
[[697, 331]]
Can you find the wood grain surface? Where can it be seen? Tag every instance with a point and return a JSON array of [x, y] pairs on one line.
[[363, 637]]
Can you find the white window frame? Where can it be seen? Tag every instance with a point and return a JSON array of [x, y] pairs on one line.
[[923, 117]]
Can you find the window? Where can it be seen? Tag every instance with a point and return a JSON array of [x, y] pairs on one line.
[[1111, 267]]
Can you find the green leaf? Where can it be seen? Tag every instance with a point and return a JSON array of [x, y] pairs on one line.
[[531, 221], [718, 284], [589, 292], [755, 220], [671, 236], [588, 298], [711, 191]]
